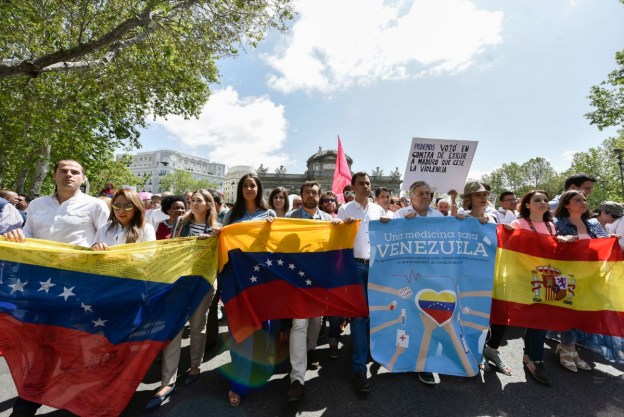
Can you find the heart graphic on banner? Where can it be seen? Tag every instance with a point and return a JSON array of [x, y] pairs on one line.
[[439, 306]]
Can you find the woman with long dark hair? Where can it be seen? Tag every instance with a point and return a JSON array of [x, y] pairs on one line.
[[535, 216], [249, 206], [573, 222]]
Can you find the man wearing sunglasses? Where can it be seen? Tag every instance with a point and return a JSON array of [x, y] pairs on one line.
[[67, 216]]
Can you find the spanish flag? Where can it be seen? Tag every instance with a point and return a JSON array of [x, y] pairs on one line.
[[290, 268], [79, 329], [543, 284]]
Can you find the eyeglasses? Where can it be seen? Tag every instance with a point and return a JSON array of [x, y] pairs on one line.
[[394, 202], [348, 193], [124, 206], [329, 200]]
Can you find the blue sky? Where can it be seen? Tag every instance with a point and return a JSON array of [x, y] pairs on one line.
[[513, 75]]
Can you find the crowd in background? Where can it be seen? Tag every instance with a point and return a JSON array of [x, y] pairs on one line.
[[125, 216]]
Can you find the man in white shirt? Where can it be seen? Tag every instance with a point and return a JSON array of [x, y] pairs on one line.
[[507, 213], [361, 209], [382, 198], [616, 225], [304, 332], [67, 216]]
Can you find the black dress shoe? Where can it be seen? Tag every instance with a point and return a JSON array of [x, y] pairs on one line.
[[295, 392], [157, 400]]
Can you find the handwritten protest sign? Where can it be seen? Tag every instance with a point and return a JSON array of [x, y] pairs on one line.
[[443, 164]]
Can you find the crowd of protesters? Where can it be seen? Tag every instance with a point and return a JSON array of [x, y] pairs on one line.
[[124, 216]]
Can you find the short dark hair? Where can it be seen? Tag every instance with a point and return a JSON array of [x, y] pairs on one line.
[[578, 180], [504, 194], [347, 188], [168, 201], [358, 174], [379, 190], [309, 184], [216, 196], [65, 160]]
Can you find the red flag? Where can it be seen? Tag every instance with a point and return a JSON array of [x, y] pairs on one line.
[[342, 173]]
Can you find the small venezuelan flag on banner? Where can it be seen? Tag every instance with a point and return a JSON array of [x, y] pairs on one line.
[[79, 329], [543, 284], [290, 268]]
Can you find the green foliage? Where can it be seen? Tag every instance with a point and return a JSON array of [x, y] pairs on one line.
[[78, 79], [601, 162], [181, 181], [608, 98], [536, 173], [115, 171]]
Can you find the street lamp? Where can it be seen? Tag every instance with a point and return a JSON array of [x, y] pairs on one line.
[[618, 155]]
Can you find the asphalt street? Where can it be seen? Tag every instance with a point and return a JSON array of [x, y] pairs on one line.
[[329, 392]]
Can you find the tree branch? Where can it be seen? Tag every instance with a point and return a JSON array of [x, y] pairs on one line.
[[63, 60]]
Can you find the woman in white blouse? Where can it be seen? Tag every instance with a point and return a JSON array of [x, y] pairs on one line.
[[126, 222]]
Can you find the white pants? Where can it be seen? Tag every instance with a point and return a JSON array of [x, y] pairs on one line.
[[171, 353], [303, 336]]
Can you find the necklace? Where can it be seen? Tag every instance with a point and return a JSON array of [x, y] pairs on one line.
[[533, 227]]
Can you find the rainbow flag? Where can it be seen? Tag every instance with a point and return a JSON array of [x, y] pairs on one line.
[[543, 284], [79, 329], [290, 268]]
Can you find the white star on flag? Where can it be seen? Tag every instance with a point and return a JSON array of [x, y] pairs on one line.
[[280, 262], [18, 286], [301, 274], [257, 268], [308, 282], [67, 292], [86, 307], [269, 262], [45, 286], [291, 266], [253, 279], [99, 322]]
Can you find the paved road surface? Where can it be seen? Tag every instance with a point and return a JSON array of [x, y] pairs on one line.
[[329, 392]]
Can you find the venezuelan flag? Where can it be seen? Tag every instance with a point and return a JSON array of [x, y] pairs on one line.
[[290, 268], [543, 284], [79, 329]]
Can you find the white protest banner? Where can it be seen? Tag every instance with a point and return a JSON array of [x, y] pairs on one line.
[[442, 163]]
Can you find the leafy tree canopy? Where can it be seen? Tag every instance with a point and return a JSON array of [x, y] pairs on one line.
[[79, 78]]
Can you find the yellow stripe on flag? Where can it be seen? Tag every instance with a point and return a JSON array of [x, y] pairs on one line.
[[582, 285], [161, 261], [285, 236]]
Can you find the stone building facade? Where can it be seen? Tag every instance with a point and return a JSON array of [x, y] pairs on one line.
[[156, 164], [321, 166]]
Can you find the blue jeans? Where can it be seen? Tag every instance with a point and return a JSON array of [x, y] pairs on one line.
[[568, 338], [360, 326], [534, 344]]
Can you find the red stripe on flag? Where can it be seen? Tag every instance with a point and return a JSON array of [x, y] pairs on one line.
[[280, 300], [549, 317], [73, 370], [544, 246]]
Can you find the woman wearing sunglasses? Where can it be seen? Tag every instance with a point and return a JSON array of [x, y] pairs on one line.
[[126, 222]]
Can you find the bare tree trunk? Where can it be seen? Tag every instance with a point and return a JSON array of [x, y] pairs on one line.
[[21, 181], [42, 167]]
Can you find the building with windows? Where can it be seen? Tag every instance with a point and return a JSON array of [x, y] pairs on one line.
[[156, 164], [321, 166]]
